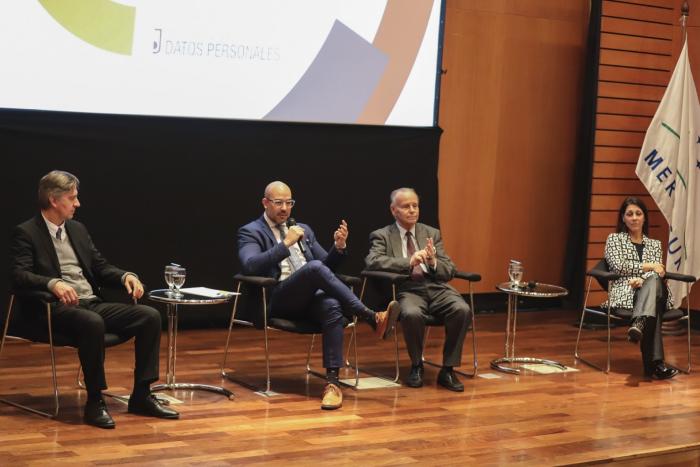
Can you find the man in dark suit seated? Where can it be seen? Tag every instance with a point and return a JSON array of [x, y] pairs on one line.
[[271, 246], [409, 247], [51, 252]]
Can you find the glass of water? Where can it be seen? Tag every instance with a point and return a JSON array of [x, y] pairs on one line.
[[169, 271], [179, 275], [515, 272]]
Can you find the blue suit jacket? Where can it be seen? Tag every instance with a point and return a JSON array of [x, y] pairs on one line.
[[260, 254]]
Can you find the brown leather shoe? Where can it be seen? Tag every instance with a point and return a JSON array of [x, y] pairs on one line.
[[386, 320], [332, 397]]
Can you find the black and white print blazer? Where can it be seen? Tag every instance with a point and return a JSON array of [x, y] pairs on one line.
[[622, 257]]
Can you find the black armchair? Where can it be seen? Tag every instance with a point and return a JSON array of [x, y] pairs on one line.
[[602, 274], [395, 280], [260, 319], [21, 329]]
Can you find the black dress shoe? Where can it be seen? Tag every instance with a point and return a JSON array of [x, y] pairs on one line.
[[662, 371], [96, 414], [448, 379], [415, 378], [151, 407]]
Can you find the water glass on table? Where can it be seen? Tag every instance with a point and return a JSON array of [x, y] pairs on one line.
[[515, 272], [179, 275]]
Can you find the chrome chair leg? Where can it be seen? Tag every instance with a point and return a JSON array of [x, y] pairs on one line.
[[53, 362], [396, 360], [686, 370], [607, 364], [583, 316], [577, 354], [308, 354], [230, 328], [353, 341], [228, 375], [7, 323], [471, 300], [688, 326], [267, 391], [54, 380]]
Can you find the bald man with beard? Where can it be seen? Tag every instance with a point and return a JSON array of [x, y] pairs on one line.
[[307, 287]]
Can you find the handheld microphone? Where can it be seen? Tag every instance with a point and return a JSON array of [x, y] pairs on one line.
[[290, 223]]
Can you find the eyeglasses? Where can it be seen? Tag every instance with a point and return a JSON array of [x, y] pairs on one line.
[[280, 202]]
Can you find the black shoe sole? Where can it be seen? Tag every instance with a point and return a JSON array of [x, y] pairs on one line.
[[331, 407], [414, 384], [148, 414], [665, 376], [450, 387], [98, 425]]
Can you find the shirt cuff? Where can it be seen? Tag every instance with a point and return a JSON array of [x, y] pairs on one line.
[[128, 274], [51, 283]]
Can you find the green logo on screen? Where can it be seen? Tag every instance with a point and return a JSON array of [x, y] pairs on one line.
[[105, 24]]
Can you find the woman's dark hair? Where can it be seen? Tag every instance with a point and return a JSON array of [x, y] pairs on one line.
[[621, 227]]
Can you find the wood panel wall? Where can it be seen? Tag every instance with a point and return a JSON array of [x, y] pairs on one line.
[[640, 44], [510, 109], [636, 59]]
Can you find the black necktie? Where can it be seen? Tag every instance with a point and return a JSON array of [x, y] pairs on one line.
[[417, 271], [58, 233]]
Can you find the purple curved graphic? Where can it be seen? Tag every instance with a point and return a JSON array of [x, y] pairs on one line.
[[338, 83]]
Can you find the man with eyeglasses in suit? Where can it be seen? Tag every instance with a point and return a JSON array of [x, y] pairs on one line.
[[271, 246]]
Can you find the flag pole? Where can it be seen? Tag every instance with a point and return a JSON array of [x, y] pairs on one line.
[[685, 11]]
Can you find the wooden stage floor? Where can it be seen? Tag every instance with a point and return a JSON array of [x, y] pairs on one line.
[[582, 416]]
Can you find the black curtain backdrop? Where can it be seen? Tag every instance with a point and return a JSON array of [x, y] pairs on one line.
[[160, 190], [577, 244]]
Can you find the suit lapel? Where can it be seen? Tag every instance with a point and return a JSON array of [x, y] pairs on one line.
[[421, 235], [267, 231], [395, 241], [47, 243]]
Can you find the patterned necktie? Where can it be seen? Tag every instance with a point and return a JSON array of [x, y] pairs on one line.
[[417, 272], [58, 233], [294, 260]]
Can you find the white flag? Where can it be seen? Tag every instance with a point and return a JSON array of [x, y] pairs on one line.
[[669, 165]]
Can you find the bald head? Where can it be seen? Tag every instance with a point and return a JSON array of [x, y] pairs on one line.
[[275, 187], [278, 202]]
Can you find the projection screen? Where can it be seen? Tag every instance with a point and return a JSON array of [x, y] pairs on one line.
[[341, 61]]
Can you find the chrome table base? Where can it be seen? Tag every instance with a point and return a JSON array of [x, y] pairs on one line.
[[509, 357]]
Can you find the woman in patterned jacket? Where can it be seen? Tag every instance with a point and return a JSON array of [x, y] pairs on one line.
[[640, 288]]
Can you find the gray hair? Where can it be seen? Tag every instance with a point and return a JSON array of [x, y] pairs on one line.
[[55, 184], [395, 193]]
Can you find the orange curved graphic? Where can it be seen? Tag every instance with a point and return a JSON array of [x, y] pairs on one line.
[[400, 36]]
